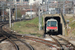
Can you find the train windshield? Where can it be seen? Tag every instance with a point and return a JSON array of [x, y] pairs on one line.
[[51, 23], [48, 23]]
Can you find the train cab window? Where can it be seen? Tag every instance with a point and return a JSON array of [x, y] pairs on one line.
[[53, 23], [48, 23]]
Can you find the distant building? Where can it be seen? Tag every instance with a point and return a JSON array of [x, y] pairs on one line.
[[23, 2], [30, 12], [35, 1], [2, 0], [74, 9]]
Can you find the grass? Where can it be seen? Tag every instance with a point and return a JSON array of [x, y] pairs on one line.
[[25, 23], [73, 31], [72, 25], [28, 27], [71, 19]]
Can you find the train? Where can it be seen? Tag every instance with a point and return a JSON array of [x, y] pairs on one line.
[[51, 25]]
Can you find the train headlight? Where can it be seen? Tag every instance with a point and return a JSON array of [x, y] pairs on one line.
[[47, 29], [56, 29]]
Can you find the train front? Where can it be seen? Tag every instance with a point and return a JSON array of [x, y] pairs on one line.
[[51, 25]]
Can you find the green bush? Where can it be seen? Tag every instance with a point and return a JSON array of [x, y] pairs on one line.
[[18, 13]]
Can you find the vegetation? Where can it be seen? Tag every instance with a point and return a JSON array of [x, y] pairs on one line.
[[28, 27], [72, 27], [71, 19], [71, 23], [18, 13]]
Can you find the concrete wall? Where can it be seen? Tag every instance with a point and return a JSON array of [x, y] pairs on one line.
[[71, 15]]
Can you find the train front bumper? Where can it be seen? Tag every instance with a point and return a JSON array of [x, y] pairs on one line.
[[53, 30]]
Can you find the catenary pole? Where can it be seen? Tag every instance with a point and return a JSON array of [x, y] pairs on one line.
[[3, 14], [40, 25], [63, 7], [16, 10], [2, 5], [31, 10], [39, 19], [10, 17]]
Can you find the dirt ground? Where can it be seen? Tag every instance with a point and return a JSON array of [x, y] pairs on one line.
[[38, 46], [6, 45]]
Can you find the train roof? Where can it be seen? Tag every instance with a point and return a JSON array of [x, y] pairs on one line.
[[52, 19]]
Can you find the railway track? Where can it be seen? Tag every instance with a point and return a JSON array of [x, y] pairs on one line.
[[26, 44], [48, 43], [8, 37], [12, 42], [68, 44], [18, 39], [64, 44], [60, 43], [3, 37]]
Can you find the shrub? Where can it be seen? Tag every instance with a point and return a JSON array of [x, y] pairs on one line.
[[18, 13]]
